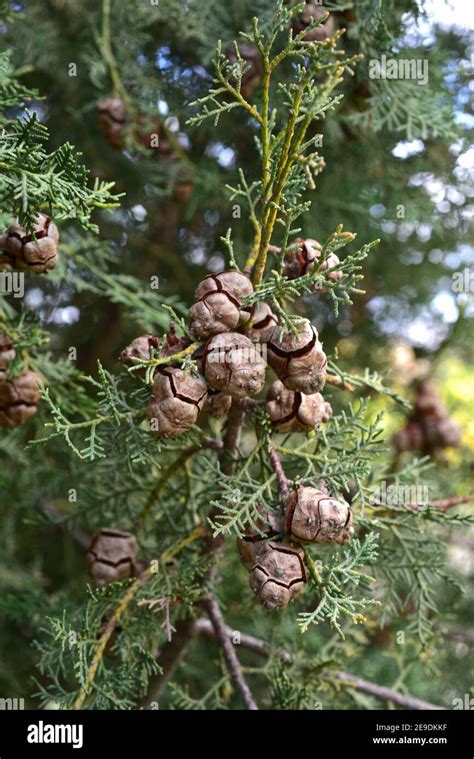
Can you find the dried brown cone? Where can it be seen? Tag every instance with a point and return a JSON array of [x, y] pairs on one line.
[[112, 556], [291, 411], [305, 259], [139, 350], [443, 433], [252, 77], [28, 252], [19, 399], [233, 364], [262, 323], [268, 525], [148, 132], [309, 14], [429, 426], [428, 402], [112, 116], [279, 575], [7, 354], [410, 438], [218, 303], [298, 360], [218, 404], [312, 516], [177, 399]]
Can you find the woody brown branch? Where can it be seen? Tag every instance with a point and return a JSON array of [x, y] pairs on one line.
[[231, 659], [259, 647], [280, 474], [173, 652]]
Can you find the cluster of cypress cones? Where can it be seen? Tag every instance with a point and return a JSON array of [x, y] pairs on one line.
[[272, 552], [36, 252], [20, 395], [234, 341], [229, 365]]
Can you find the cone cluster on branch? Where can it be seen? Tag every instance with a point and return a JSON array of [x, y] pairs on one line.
[[429, 426], [20, 395], [270, 550], [36, 252], [229, 362]]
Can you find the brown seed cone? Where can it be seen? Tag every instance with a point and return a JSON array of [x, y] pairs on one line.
[[7, 354], [147, 132], [29, 254], [218, 303], [429, 426], [112, 556], [138, 350], [252, 77], [218, 404], [233, 364], [295, 412], [269, 525], [279, 575], [443, 433], [176, 401], [263, 322], [309, 14], [428, 402], [410, 438], [305, 260], [19, 399], [112, 116], [298, 360], [314, 517]]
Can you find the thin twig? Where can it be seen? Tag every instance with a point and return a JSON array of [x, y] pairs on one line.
[[331, 379], [233, 664], [280, 474], [174, 651], [204, 627], [385, 694], [107, 633]]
